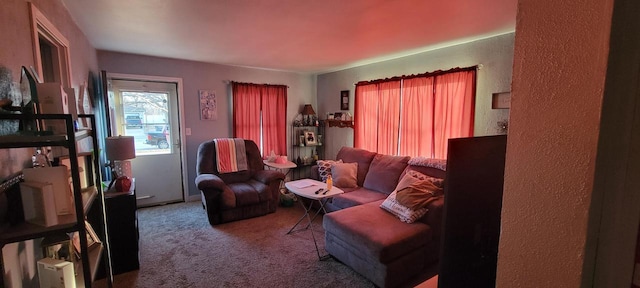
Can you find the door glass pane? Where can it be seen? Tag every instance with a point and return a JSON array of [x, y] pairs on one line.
[[146, 118]]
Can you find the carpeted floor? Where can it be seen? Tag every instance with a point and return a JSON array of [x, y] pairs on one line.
[[178, 248]]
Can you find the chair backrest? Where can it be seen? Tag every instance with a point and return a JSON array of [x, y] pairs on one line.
[[206, 163]]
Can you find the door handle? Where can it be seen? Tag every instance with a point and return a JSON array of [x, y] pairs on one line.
[[144, 197]]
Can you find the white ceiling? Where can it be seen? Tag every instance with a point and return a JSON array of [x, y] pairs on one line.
[[306, 36]]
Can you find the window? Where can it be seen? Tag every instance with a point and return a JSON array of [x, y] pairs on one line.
[[259, 114], [415, 115]]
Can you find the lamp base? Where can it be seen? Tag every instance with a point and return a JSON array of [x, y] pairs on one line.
[[122, 168]]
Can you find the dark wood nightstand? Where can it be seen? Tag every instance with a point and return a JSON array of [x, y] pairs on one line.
[[122, 224]]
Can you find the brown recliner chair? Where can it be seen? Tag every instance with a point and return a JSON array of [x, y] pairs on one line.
[[238, 195]]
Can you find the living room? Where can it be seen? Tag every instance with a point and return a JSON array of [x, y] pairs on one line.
[[569, 132]]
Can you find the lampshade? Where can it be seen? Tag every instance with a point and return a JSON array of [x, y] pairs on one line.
[[120, 148], [308, 110]]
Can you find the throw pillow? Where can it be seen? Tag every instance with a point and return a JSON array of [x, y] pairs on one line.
[[404, 213], [429, 162], [436, 181], [418, 194], [344, 175], [324, 168]]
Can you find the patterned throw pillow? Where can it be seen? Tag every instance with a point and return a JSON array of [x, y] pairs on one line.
[[324, 168], [404, 213], [429, 162]]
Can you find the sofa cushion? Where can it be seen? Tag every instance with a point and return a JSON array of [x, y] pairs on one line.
[[360, 156], [384, 172], [345, 175], [376, 234], [246, 193], [356, 197]]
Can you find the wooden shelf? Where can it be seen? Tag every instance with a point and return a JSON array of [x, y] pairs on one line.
[[25, 230], [22, 140], [339, 123], [80, 143], [67, 223]]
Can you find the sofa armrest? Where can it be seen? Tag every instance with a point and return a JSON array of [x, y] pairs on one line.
[[268, 176], [433, 218], [209, 181], [314, 173]]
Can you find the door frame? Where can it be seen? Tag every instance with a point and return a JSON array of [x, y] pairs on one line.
[[179, 88]]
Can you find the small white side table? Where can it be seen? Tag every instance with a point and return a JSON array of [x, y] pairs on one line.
[[308, 188], [278, 166], [281, 167]]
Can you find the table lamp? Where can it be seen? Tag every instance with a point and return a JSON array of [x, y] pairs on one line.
[[307, 111], [119, 150]]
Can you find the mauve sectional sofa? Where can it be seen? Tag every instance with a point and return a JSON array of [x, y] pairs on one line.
[[372, 241]]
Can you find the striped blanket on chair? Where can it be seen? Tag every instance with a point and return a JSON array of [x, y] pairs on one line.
[[231, 155]]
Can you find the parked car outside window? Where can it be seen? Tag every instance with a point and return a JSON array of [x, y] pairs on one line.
[[133, 121]]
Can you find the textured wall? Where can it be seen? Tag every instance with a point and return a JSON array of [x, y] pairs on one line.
[[558, 81], [495, 54], [198, 75]]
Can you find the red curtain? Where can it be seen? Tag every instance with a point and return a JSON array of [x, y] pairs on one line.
[[454, 109], [365, 120], [418, 119], [274, 120], [376, 121], [388, 117], [246, 112], [416, 122], [259, 114]]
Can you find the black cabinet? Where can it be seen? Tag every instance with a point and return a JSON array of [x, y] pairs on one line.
[[472, 207], [122, 226]]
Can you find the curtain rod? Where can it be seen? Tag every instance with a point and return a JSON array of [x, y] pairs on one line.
[[426, 74], [264, 84]]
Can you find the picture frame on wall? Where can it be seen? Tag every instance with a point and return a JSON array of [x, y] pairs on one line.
[[344, 100], [310, 138], [208, 105]]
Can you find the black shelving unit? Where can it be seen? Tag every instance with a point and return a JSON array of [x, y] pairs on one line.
[[302, 150], [83, 199]]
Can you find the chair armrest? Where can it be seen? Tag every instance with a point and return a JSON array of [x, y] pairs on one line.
[[268, 176], [209, 181]]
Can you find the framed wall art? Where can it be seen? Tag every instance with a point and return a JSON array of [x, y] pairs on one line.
[[344, 100], [208, 105]]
